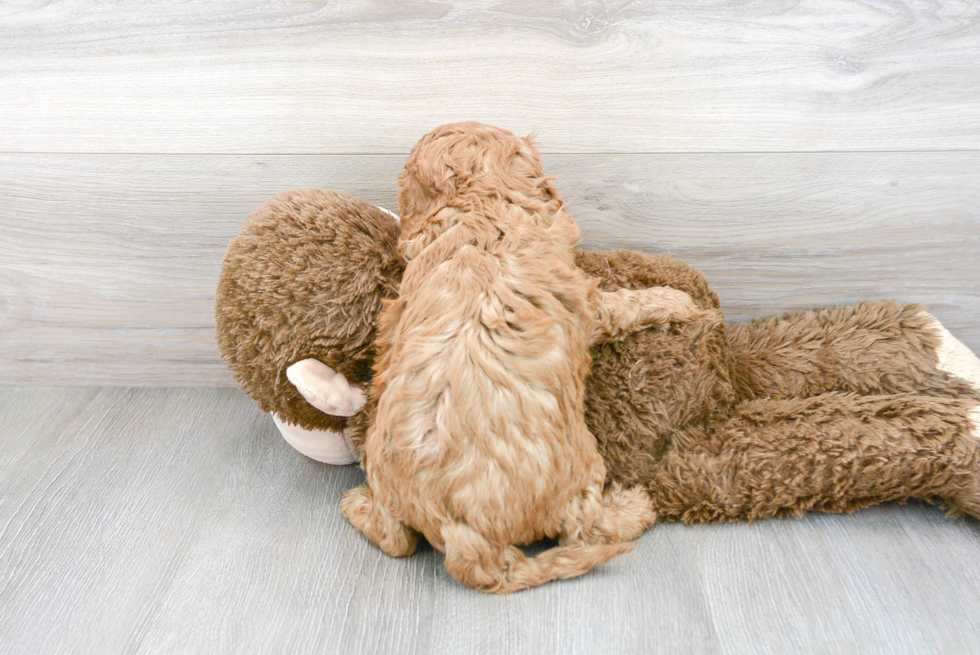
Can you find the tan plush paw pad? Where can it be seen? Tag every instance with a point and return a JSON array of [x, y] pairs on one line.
[[974, 417], [954, 357]]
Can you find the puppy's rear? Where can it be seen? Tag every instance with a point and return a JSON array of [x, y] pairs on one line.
[[474, 562]]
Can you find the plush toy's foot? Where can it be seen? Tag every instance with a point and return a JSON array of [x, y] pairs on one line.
[[957, 360], [954, 357], [324, 446], [967, 498]]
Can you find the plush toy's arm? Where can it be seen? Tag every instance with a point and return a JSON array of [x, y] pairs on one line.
[[624, 311], [325, 389]]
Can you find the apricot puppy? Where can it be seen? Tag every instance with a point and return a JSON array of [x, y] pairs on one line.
[[480, 441]]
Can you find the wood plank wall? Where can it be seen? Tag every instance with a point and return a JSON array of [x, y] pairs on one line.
[[801, 154]]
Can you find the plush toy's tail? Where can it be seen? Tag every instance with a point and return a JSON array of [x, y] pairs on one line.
[[475, 562]]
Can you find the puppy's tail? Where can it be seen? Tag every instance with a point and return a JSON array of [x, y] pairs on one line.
[[477, 563]]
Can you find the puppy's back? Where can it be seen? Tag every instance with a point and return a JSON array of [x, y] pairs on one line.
[[481, 412]]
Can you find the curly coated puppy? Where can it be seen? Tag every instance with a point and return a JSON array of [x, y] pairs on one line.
[[480, 441]]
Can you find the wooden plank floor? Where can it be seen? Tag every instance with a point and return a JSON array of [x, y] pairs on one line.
[[176, 520]]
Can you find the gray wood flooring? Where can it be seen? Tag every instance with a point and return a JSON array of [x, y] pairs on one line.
[[176, 520]]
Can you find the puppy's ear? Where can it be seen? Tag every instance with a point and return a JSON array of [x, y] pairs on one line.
[[565, 229], [419, 233], [526, 164], [413, 198], [410, 248], [391, 314], [388, 319]]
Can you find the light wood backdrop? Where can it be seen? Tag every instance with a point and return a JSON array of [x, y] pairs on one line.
[[799, 153]]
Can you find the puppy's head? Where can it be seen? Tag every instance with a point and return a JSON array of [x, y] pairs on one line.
[[462, 167]]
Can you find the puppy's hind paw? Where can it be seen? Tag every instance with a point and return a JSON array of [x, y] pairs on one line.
[[374, 521]]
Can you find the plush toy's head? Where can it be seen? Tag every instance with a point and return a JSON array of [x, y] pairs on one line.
[[305, 278]]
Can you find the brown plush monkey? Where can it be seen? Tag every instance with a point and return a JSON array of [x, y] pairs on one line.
[[825, 410]]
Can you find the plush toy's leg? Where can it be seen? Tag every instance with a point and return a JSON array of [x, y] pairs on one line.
[[833, 452], [375, 522], [874, 347], [324, 446], [622, 312], [967, 498], [959, 361], [324, 388]]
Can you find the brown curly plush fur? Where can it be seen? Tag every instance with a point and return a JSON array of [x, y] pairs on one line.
[[824, 410], [306, 277]]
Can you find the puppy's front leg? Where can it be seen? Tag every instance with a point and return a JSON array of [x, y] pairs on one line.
[[375, 522], [626, 310]]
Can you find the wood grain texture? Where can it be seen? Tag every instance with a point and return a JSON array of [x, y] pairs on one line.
[[165, 520], [108, 263], [800, 154], [371, 76]]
